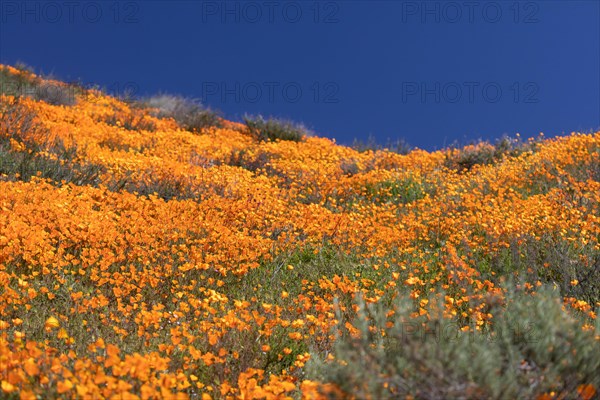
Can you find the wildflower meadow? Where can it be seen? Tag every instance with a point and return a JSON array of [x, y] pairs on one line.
[[153, 249]]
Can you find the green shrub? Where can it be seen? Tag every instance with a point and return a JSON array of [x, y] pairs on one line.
[[25, 84], [250, 161], [532, 347], [58, 95], [188, 113], [273, 129], [16, 84], [484, 153]]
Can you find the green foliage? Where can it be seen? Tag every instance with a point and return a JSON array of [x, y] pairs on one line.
[[400, 190], [25, 84], [164, 187], [52, 160], [532, 347], [25, 165], [311, 263], [397, 191], [188, 113], [482, 153], [549, 259], [273, 129], [16, 84], [250, 161]]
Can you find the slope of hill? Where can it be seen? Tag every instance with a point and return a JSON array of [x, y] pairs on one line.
[[138, 258]]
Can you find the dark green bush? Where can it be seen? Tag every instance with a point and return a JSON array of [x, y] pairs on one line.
[[273, 129], [188, 113]]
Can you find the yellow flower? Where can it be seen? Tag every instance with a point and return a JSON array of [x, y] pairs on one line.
[[7, 387], [51, 323]]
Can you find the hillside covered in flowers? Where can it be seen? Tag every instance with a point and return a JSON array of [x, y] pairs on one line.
[[141, 258]]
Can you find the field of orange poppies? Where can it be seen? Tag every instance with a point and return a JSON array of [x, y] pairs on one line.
[[139, 259]]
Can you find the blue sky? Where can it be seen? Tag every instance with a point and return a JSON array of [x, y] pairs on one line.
[[431, 72]]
